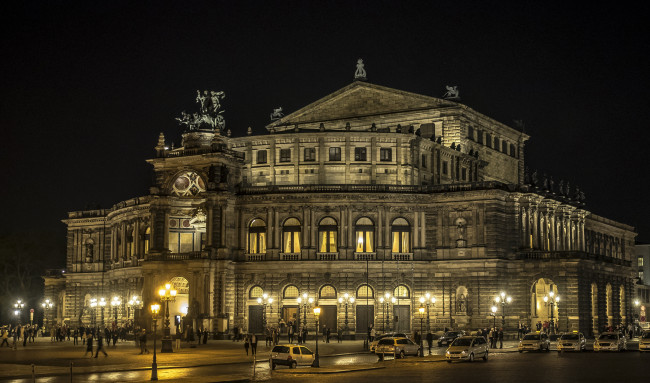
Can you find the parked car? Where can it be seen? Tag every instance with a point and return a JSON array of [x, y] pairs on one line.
[[644, 341], [448, 337], [572, 342], [535, 342], [400, 347], [373, 344], [467, 348], [610, 341], [290, 355]]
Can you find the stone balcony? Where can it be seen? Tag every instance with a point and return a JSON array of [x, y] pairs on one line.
[[365, 256], [401, 256], [255, 257], [570, 254], [289, 256], [179, 256], [327, 256]]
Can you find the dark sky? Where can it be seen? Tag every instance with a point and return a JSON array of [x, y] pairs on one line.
[[87, 87]]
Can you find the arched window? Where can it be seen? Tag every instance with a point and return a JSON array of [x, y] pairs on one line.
[[401, 292], [291, 236], [291, 291], [365, 291], [327, 292], [257, 237], [255, 292], [327, 230], [364, 234], [401, 236]]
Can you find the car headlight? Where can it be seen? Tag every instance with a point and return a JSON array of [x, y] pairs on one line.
[[448, 352], [464, 352]]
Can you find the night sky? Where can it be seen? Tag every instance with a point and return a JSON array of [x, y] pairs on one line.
[[87, 88]]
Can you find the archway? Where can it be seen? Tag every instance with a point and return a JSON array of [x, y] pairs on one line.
[[179, 308], [543, 310]]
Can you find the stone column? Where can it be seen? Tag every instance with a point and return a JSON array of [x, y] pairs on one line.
[[416, 233]]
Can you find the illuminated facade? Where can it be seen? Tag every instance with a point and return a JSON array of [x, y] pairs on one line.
[[378, 193]]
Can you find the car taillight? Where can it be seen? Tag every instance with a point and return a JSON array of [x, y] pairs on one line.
[[289, 357]]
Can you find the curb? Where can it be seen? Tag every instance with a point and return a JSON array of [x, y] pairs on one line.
[[322, 372]]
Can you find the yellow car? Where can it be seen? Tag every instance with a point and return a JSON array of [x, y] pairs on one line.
[[572, 342], [644, 341], [610, 341], [535, 342]]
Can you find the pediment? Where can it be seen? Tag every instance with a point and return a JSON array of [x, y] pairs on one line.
[[357, 100]]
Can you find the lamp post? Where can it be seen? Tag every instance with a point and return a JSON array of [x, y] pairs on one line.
[[494, 316], [552, 300], [102, 304], [93, 312], [385, 302], [503, 299], [345, 300], [428, 301], [115, 302], [133, 304], [155, 309], [47, 305], [421, 310], [316, 357], [18, 310], [264, 300], [167, 294], [305, 301]]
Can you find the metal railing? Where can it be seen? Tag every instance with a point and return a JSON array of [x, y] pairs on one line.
[[402, 256], [179, 256], [364, 256], [255, 257], [289, 256], [327, 256]]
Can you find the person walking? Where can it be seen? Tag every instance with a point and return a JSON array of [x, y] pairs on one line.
[[5, 337], [143, 342], [290, 333], [100, 346], [246, 344], [500, 335], [89, 345], [253, 339], [429, 340], [373, 333], [327, 335]]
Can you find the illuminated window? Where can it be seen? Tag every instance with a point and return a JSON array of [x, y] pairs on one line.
[[147, 238], [257, 237], [640, 261], [291, 236], [364, 234], [188, 184], [335, 154], [401, 291], [327, 231], [401, 236], [255, 292], [183, 236], [261, 156], [327, 292], [291, 291], [365, 291]]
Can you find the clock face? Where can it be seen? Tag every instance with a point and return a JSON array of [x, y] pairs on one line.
[[188, 184]]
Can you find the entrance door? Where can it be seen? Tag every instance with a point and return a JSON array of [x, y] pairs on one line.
[[328, 318], [402, 318], [255, 319], [289, 314], [365, 318]]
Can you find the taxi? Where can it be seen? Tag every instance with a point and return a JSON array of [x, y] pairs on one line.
[[610, 341], [572, 342], [467, 348], [644, 341], [535, 342]]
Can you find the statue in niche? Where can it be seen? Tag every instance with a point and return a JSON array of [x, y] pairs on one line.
[[90, 250], [461, 305], [461, 232]]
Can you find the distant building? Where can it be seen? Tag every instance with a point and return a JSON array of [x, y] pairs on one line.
[[643, 284], [377, 193]]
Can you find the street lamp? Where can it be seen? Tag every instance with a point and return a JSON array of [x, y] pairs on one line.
[[93, 306], [167, 294], [18, 310], [115, 302], [316, 357], [504, 300], [494, 316], [133, 304], [385, 301], [552, 299], [155, 309], [428, 301], [421, 310], [47, 305], [305, 301], [345, 300], [264, 300]]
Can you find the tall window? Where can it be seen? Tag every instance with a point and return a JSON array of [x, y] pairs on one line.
[[401, 236], [257, 237], [291, 236], [335, 154], [365, 291], [401, 292], [424, 161], [183, 237], [470, 133], [291, 291], [364, 234], [445, 167], [496, 143], [327, 230], [147, 238], [512, 150], [479, 136], [327, 292], [504, 146], [488, 140], [360, 154], [261, 156], [255, 292], [310, 154], [385, 154], [285, 155]]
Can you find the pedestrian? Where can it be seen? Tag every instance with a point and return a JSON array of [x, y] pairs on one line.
[[372, 333], [290, 333], [429, 340], [305, 334], [75, 337], [339, 335], [205, 336], [5, 337], [327, 335], [89, 345], [253, 344], [100, 346], [143, 342], [501, 337], [246, 344], [267, 336], [235, 332]]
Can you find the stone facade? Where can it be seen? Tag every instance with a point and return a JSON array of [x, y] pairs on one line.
[[367, 187]]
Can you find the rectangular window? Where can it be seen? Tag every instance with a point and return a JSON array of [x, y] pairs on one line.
[[445, 167], [640, 261], [479, 136], [327, 241], [488, 140], [464, 172], [285, 155], [385, 154], [261, 156], [424, 161], [364, 241], [641, 275], [401, 243], [335, 154], [360, 154], [310, 154]]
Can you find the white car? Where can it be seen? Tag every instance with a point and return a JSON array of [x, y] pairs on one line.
[[467, 348], [610, 341], [535, 342], [644, 341], [400, 347], [572, 342], [291, 355]]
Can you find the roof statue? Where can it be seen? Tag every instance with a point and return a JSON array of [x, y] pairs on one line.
[[277, 114], [452, 93], [360, 74], [209, 115]]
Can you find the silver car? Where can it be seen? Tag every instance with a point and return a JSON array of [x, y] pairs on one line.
[[535, 342], [467, 348], [610, 341], [400, 347], [290, 355], [572, 342]]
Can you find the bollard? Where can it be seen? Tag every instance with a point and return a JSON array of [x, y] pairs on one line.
[[33, 374], [71, 363]]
